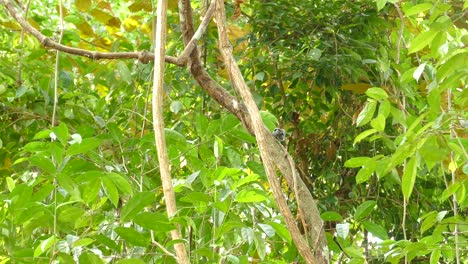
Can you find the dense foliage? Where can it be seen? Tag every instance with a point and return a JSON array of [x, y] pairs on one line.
[[373, 96]]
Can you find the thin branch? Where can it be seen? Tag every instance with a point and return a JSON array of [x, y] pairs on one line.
[[189, 47], [158, 125], [142, 56]]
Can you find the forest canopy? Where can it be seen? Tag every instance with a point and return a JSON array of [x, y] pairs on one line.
[[137, 131]]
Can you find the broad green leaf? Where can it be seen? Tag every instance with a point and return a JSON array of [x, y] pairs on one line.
[[196, 197], [458, 61], [69, 213], [357, 162], [269, 119], [380, 4], [176, 106], [409, 177], [364, 173], [36, 146], [90, 258], [44, 246], [364, 210], [251, 196], [83, 5], [10, 183], [378, 123], [428, 222], [364, 134], [132, 236], [154, 221], [376, 230], [421, 41], [69, 185], [331, 216], [218, 147], [416, 9], [436, 253], [260, 245], [281, 230], [110, 190], [367, 113], [342, 230], [269, 230], [123, 72], [247, 234], [376, 93], [248, 179], [83, 242], [355, 253], [449, 191], [120, 182], [45, 164], [384, 108], [61, 131], [107, 242], [90, 190], [86, 145], [417, 73], [136, 205]]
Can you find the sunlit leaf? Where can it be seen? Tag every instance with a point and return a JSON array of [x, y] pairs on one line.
[[364, 210]]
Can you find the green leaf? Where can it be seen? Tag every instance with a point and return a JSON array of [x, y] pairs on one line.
[[417, 73], [376, 93], [331, 216], [416, 9], [457, 61], [364, 174], [421, 41], [342, 230], [366, 114], [251, 196], [44, 246], [218, 147], [357, 162], [452, 188], [409, 177], [364, 210], [120, 182], [83, 242], [429, 221], [384, 108], [271, 122], [86, 145], [281, 230], [61, 131], [260, 245], [90, 190], [136, 205], [43, 163], [364, 134], [196, 197], [378, 123], [132, 236], [376, 230], [69, 214], [123, 72], [176, 106], [436, 253], [380, 4], [154, 221], [110, 190], [90, 258]]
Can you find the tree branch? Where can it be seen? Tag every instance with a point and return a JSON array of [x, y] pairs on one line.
[[158, 125]]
